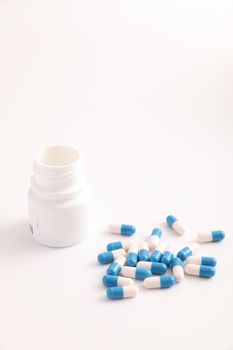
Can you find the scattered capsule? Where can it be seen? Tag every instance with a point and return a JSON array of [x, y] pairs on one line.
[[175, 224], [154, 238], [199, 270], [135, 272], [132, 256], [116, 266], [122, 292], [119, 245], [115, 281], [124, 230], [154, 267], [156, 254], [159, 282], [188, 251], [167, 256], [109, 257], [143, 253], [212, 236], [177, 269], [201, 260]]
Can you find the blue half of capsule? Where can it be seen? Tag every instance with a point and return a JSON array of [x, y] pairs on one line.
[[127, 230], [143, 255], [158, 268], [176, 261], [217, 236], [208, 261], [114, 269], [206, 271], [184, 253], [155, 256], [170, 220], [110, 281], [157, 232], [141, 273], [105, 258], [166, 258], [167, 281], [132, 259], [114, 246], [115, 293]]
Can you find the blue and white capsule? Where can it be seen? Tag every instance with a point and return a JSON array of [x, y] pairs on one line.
[[212, 236], [155, 267], [175, 224], [119, 245], [117, 281], [109, 257], [199, 270], [167, 256], [115, 268], [187, 251], [122, 292], [143, 252], [124, 230], [201, 260], [177, 269], [135, 272], [159, 282], [154, 238], [132, 255]]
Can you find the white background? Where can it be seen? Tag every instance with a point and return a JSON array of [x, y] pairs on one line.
[[144, 89]]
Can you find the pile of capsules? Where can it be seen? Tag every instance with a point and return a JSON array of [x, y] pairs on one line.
[[150, 260]]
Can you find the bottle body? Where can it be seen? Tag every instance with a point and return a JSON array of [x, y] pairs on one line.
[[58, 197]]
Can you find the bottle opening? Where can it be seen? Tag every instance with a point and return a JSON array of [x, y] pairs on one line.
[[57, 156]]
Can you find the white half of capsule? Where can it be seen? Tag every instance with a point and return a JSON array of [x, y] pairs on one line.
[[127, 243], [196, 260], [178, 273], [144, 264], [130, 291], [128, 271], [152, 282], [120, 260], [133, 248], [204, 237], [191, 269], [124, 281], [114, 228], [178, 227], [153, 242], [143, 245], [118, 252]]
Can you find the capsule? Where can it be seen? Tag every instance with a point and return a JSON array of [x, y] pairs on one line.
[[143, 253], [201, 260], [167, 256], [119, 245], [154, 267], [199, 270], [188, 251], [109, 257], [154, 238], [175, 225], [135, 272], [159, 282], [117, 281], [212, 236], [124, 230], [156, 254], [122, 292], [177, 269], [115, 267], [132, 256]]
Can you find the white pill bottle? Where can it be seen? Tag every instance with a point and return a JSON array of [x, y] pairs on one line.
[[58, 197]]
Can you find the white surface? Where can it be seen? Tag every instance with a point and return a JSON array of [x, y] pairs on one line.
[[144, 89]]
